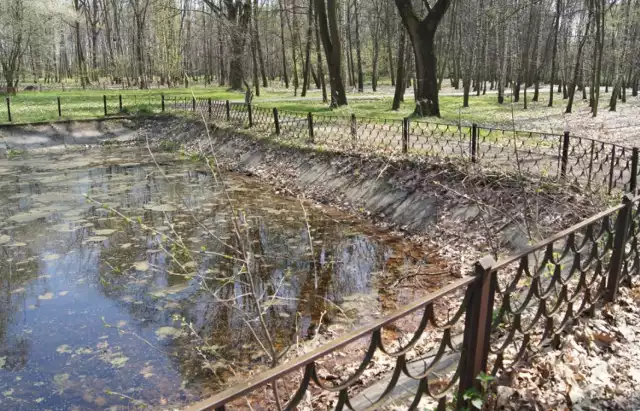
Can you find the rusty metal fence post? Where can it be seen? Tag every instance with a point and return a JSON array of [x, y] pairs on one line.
[[477, 325], [633, 180], [565, 154], [276, 121], [612, 167], [310, 124], [619, 245], [228, 107], [405, 135], [474, 142]]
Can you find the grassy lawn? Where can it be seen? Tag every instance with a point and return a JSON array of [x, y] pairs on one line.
[[483, 110], [80, 104]]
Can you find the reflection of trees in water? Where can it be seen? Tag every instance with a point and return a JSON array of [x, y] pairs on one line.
[[13, 277]]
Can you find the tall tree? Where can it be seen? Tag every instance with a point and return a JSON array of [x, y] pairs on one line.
[[422, 34], [330, 35]]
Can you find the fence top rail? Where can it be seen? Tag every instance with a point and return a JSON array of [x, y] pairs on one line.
[[266, 377], [561, 234]]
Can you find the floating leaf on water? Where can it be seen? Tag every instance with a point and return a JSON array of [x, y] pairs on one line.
[[16, 244], [63, 293], [105, 232], [8, 393], [118, 361], [141, 265], [38, 400], [18, 290], [4, 239], [168, 332], [3, 362], [63, 349], [61, 380], [161, 207], [51, 257], [147, 372], [96, 239], [63, 228], [28, 217], [31, 307], [45, 296], [168, 291], [83, 351]]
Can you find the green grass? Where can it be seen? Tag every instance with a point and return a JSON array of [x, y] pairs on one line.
[[482, 109], [30, 107], [83, 104]]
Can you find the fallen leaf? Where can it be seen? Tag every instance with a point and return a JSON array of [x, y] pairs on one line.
[[141, 265], [63, 349], [46, 296]]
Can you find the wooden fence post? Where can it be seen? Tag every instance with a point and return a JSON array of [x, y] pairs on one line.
[[193, 104], [210, 106], [9, 109], [276, 121], [59, 107], [474, 143], [228, 106], [120, 103], [162, 102], [565, 155], [354, 129], [619, 246], [477, 326], [405, 135], [104, 103], [310, 124]]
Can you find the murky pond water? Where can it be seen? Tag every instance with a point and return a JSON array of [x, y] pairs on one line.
[[98, 312]]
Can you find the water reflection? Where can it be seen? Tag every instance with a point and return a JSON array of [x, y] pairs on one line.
[[96, 311]]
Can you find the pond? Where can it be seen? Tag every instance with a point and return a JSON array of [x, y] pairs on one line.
[[126, 281]]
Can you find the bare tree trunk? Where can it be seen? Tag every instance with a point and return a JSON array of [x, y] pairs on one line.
[[398, 97], [319, 61], [284, 48], [576, 69], [358, 51], [554, 52], [307, 51], [422, 34], [389, 53], [330, 34], [256, 33]]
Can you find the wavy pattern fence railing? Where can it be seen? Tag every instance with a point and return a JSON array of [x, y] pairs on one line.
[[504, 313], [590, 164]]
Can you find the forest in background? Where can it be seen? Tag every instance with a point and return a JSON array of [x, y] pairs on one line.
[[332, 45]]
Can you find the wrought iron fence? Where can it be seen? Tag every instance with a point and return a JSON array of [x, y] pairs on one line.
[[506, 311], [590, 164]]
